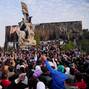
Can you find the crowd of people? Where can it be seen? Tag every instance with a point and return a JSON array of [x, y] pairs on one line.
[[44, 67]]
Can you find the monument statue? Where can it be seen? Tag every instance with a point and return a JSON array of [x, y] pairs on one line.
[[26, 33]]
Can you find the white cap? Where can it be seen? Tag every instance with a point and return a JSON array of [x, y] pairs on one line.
[[22, 66], [51, 64]]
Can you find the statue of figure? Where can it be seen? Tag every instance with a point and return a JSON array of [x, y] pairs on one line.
[[26, 33], [21, 35]]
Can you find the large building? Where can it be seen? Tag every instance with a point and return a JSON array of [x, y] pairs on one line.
[[57, 30], [11, 37]]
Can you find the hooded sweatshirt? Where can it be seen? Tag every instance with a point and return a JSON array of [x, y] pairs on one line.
[[58, 77]]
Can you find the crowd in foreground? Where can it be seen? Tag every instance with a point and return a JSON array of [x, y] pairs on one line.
[[44, 67]]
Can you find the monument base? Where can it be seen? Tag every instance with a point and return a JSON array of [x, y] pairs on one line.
[[28, 44]]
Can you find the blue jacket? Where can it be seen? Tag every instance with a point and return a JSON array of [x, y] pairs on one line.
[[58, 77]]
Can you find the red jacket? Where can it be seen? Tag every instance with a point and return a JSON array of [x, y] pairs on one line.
[[5, 83], [81, 85]]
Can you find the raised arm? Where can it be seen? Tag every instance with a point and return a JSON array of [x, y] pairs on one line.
[[44, 58]]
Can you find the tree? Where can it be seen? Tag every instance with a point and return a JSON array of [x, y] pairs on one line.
[[68, 46], [84, 45], [37, 38]]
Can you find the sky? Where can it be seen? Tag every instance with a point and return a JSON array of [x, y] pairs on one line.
[[43, 11]]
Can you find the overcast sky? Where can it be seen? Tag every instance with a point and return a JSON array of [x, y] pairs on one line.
[[43, 11]]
